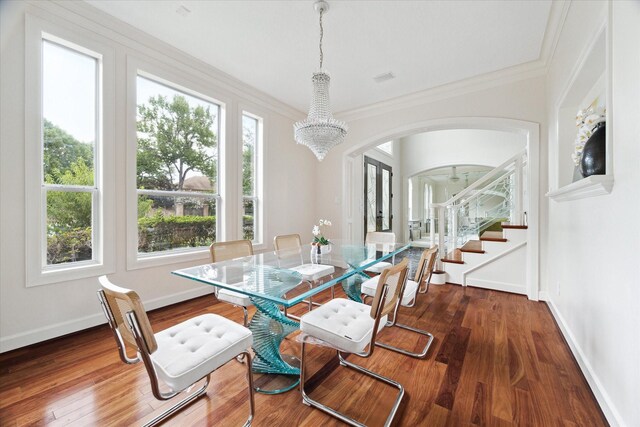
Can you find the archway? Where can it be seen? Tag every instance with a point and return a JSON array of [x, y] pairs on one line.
[[352, 176]]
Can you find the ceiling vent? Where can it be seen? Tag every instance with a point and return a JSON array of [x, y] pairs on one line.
[[384, 77]]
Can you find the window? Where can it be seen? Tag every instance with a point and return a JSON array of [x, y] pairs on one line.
[[251, 139], [177, 167], [70, 154]]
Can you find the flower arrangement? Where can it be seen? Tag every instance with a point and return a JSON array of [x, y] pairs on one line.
[[586, 121], [318, 235]]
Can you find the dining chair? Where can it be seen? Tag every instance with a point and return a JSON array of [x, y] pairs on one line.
[[411, 289], [433, 256], [409, 296], [180, 356], [381, 240], [351, 327], [288, 249], [224, 251]]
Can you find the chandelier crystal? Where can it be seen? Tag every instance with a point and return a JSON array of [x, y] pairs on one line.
[[320, 131]]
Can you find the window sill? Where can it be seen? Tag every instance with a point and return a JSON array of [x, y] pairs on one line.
[[595, 185], [59, 274], [167, 258]]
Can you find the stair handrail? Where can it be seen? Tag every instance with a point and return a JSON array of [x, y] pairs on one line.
[[512, 166], [503, 167]]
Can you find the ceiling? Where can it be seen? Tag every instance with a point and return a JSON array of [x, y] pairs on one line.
[[273, 45], [464, 172]]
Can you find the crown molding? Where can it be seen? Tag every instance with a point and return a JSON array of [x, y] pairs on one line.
[[92, 19], [539, 67], [516, 73], [555, 24]]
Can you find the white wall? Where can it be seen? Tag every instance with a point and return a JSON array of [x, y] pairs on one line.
[[435, 149], [37, 313], [595, 242]]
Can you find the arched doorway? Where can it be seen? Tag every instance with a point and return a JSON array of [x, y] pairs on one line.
[[353, 176]]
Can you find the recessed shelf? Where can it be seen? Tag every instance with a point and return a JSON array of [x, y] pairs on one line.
[[588, 85], [594, 185]]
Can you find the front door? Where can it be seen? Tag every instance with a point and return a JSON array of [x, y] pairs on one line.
[[377, 195]]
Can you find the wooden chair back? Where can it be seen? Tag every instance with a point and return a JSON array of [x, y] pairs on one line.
[[287, 245], [224, 251], [121, 301], [394, 277]]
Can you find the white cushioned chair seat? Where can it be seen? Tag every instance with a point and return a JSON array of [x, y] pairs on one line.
[[342, 323], [233, 297], [370, 286], [192, 349], [377, 268], [314, 271]]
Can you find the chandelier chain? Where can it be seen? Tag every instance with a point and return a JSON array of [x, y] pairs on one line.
[[321, 35]]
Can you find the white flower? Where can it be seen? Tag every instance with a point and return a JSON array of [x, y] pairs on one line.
[[316, 230], [321, 222], [327, 222]]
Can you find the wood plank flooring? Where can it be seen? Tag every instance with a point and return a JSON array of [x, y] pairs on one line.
[[497, 359]]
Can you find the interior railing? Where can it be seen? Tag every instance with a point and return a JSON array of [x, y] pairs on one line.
[[495, 198]]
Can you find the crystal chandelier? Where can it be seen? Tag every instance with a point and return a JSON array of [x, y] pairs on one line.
[[320, 131]]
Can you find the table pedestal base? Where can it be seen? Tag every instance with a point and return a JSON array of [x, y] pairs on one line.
[[273, 372]]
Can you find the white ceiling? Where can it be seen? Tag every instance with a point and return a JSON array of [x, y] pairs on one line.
[[273, 45]]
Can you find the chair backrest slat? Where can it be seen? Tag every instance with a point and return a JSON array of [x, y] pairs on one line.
[[122, 301], [394, 277], [224, 251]]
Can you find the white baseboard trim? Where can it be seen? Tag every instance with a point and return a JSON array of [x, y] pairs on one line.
[[37, 335], [610, 412], [498, 286], [543, 296]]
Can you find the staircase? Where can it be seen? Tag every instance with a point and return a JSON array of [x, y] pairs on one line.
[[469, 254]]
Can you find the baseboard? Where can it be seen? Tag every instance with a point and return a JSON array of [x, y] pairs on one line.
[[498, 286], [543, 296], [608, 408], [37, 335]]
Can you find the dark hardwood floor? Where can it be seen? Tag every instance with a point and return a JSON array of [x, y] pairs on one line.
[[497, 359]]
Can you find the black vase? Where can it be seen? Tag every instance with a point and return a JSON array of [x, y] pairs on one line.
[[594, 154]]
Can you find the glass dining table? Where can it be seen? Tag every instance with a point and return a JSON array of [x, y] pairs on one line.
[[276, 282]]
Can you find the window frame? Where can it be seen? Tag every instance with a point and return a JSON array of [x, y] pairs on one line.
[[258, 165], [177, 79], [38, 272]]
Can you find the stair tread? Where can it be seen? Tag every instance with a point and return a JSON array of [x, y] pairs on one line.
[[452, 261], [473, 251], [515, 227], [492, 239]]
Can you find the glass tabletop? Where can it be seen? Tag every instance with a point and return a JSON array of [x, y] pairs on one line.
[[291, 276]]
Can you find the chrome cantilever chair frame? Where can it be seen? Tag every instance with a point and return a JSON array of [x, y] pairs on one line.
[[144, 355], [307, 400], [394, 322]]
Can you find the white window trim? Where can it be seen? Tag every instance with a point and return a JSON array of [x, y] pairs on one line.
[[103, 248], [258, 194], [178, 79]]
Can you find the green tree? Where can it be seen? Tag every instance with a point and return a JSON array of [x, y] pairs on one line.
[[174, 139], [61, 150], [248, 150], [68, 210]]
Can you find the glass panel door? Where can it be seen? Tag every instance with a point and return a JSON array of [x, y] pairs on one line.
[[378, 214]]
